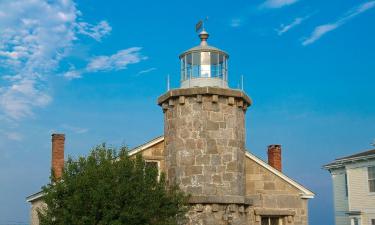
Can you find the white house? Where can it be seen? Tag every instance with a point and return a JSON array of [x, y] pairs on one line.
[[354, 188]]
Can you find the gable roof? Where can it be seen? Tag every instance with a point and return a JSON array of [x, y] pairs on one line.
[[305, 193], [146, 145], [35, 196], [366, 153], [339, 162]]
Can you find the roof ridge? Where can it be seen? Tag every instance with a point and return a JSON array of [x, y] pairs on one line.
[[363, 153]]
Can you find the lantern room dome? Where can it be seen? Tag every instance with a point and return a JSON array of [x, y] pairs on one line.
[[204, 65]]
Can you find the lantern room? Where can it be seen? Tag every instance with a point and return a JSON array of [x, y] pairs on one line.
[[204, 66]]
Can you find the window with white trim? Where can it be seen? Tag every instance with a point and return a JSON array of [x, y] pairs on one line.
[[355, 221], [153, 164], [371, 178], [272, 220]]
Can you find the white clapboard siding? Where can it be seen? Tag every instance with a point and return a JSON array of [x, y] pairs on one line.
[[340, 199], [342, 220], [359, 197]]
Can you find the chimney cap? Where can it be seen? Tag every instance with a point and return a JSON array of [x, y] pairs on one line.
[[58, 135], [274, 146]]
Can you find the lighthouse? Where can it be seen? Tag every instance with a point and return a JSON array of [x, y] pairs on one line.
[[203, 151], [204, 131]]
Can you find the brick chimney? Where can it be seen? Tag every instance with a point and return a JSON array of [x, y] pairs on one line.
[[274, 156], [58, 154]]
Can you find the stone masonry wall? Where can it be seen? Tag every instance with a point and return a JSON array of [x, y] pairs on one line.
[[204, 131], [155, 153], [273, 195], [35, 206], [204, 140]]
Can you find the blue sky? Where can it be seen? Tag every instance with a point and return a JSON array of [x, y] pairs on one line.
[[94, 69]]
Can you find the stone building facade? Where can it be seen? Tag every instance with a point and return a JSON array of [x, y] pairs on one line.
[[268, 194], [203, 151]]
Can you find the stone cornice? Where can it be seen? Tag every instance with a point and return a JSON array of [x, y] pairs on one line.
[[204, 91], [221, 200]]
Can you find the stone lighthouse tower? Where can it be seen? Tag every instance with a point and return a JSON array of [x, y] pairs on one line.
[[204, 130]]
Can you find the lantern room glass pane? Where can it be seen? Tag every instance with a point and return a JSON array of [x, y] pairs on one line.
[[221, 66], [205, 64], [196, 64], [189, 66], [183, 66], [214, 64]]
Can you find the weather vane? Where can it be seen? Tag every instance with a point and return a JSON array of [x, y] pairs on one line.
[[200, 25]]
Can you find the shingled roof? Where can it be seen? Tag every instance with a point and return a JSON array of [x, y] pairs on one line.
[[358, 156], [366, 153]]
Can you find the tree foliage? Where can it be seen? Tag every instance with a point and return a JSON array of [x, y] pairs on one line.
[[110, 188]]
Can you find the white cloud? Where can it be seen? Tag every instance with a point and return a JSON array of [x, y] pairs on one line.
[[285, 28], [35, 35], [146, 71], [18, 99], [72, 74], [97, 32], [321, 30], [104, 63], [11, 135], [273, 4], [118, 61], [75, 129]]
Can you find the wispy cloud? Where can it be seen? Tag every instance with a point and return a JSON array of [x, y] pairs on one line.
[[97, 32], [104, 63], [274, 4], [18, 100], [12, 135], [146, 71], [321, 30], [74, 129], [34, 37], [285, 28], [117, 61], [72, 73]]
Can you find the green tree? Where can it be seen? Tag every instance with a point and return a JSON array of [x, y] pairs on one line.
[[110, 188]]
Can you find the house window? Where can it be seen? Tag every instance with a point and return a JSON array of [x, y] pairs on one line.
[[355, 221], [272, 220], [372, 221], [153, 164], [371, 178]]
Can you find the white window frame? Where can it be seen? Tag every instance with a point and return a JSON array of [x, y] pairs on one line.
[[158, 165], [355, 218], [281, 219], [368, 179]]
